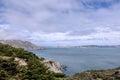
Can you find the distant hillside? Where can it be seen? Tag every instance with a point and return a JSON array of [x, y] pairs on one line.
[[22, 44], [91, 46]]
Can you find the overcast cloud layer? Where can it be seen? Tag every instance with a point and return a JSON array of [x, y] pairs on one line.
[[61, 22]]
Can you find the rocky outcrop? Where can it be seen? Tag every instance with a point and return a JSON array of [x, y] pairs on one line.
[[53, 66], [20, 61], [22, 44]]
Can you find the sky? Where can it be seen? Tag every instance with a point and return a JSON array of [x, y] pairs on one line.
[[61, 22]]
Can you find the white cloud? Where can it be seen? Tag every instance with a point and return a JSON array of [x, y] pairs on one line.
[[61, 20], [4, 34]]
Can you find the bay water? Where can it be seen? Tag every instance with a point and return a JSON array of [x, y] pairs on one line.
[[82, 59]]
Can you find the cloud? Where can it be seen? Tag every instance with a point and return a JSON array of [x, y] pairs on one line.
[[61, 20], [4, 33]]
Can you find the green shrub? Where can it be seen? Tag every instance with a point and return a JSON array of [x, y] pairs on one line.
[[60, 75]]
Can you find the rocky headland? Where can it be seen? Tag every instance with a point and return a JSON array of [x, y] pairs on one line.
[[54, 66], [19, 64], [22, 44]]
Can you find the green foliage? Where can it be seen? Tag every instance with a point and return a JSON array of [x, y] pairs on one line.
[[3, 75], [35, 70], [96, 75], [8, 68], [60, 75], [42, 58]]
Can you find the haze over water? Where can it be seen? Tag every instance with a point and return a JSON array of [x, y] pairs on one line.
[[81, 59]]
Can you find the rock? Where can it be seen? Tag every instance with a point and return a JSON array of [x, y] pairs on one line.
[[117, 72], [21, 62], [53, 66], [5, 57], [64, 67]]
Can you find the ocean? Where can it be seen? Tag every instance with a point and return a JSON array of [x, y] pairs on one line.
[[82, 59]]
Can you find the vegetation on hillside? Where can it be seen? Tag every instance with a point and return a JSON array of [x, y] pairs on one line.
[[35, 70], [110, 74]]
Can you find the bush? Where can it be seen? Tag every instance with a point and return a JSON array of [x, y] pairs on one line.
[[60, 75]]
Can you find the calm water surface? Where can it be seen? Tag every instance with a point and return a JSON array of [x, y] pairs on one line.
[[81, 59]]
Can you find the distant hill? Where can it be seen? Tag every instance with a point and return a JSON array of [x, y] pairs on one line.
[[22, 44], [91, 46]]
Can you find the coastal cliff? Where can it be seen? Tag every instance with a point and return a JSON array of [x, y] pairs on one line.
[[19, 64], [53, 66], [22, 44]]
